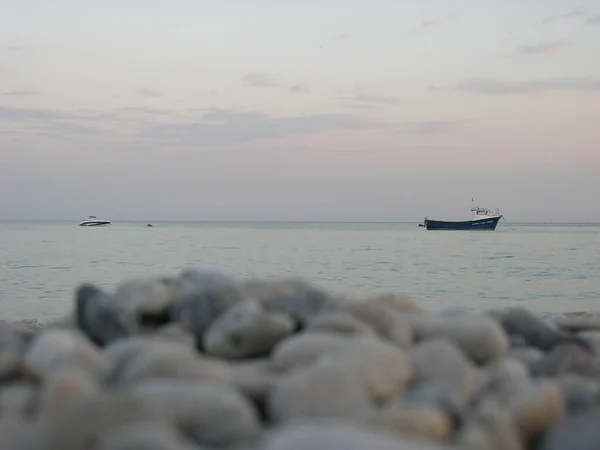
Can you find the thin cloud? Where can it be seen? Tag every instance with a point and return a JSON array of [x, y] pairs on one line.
[[22, 93], [150, 93], [300, 88], [212, 92], [431, 23], [218, 127], [344, 36], [544, 48], [258, 79], [356, 97], [587, 19], [498, 87], [428, 127], [17, 48]]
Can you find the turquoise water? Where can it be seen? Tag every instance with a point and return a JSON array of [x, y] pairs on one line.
[[545, 267]]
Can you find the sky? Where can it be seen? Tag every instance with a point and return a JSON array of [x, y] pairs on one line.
[[354, 110]]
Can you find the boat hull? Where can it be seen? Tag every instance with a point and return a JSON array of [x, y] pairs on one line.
[[94, 224], [485, 224]]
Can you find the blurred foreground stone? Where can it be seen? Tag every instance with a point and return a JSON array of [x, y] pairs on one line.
[[201, 360]]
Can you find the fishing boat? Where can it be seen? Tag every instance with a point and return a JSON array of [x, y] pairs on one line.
[[483, 219]]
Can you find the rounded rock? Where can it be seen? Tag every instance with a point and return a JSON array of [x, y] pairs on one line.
[[341, 323], [246, 331], [478, 336], [210, 414], [325, 389], [303, 349]]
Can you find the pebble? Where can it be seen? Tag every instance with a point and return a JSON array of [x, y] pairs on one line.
[[341, 436], [210, 414], [247, 331], [479, 337], [326, 389], [200, 360], [341, 323], [206, 296], [56, 348], [440, 363], [576, 432]]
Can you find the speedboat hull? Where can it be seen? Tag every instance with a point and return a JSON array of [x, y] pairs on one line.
[[483, 224], [99, 223]]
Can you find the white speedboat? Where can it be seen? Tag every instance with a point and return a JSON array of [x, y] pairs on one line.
[[93, 221]]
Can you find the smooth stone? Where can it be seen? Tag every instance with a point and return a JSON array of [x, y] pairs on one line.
[[97, 316], [478, 336], [206, 296], [55, 348], [144, 302], [503, 371], [146, 437], [437, 397], [533, 331], [574, 322], [302, 305], [341, 436], [12, 348], [534, 406], [173, 332], [576, 432], [246, 330], [211, 414], [593, 339], [528, 356], [16, 399], [65, 387], [415, 419], [383, 368], [90, 420], [168, 360], [438, 362], [580, 393], [342, 323], [269, 292], [326, 389], [254, 379], [564, 358], [14, 430], [389, 324], [489, 427], [398, 302], [302, 349]]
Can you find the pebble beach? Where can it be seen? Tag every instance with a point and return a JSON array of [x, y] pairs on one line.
[[202, 360]]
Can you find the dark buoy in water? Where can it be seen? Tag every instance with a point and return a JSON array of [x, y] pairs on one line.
[[150, 225]]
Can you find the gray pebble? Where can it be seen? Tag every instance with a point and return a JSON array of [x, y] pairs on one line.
[[302, 349], [341, 436], [246, 330], [565, 358], [302, 305], [97, 316], [326, 389], [16, 399], [145, 436], [439, 363], [576, 432], [211, 414], [56, 348], [342, 323], [207, 295], [478, 336]]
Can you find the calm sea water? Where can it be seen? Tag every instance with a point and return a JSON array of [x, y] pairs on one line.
[[549, 268]]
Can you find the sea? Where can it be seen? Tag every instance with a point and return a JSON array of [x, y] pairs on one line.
[[549, 268]]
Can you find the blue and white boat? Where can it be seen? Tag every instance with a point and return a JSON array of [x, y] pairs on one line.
[[483, 219]]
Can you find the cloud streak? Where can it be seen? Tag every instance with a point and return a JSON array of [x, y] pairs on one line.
[[149, 93], [22, 93], [258, 79], [499, 87], [356, 97], [545, 48], [300, 88]]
